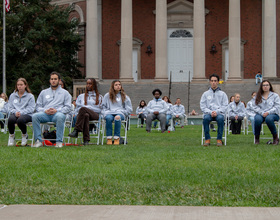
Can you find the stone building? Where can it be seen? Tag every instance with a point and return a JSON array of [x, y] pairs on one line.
[[148, 43]]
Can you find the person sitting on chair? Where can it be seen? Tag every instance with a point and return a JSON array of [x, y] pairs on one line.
[[213, 104], [141, 112], [236, 113], [258, 78], [156, 109], [88, 106], [21, 107], [250, 112], [52, 106], [266, 108], [116, 107], [178, 112], [169, 111]]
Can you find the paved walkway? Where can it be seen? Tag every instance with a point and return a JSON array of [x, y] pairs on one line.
[[81, 212]]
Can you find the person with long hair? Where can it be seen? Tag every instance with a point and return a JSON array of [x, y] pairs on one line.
[[3, 110], [141, 111], [236, 113], [169, 111], [88, 106], [266, 107], [250, 112], [21, 108], [116, 107]]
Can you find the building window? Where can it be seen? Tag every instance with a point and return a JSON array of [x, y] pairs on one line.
[[181, 33]]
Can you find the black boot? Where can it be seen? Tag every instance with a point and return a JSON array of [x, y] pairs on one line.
[[257, 139], [74, 134], [86, 142], [275, 139]]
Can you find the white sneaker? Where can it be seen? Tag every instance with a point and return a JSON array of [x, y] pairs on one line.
[[37, 144], [59, 145], [11, 141], [2, 130], [24, 139]]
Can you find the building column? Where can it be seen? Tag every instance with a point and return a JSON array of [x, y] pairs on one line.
[[126, 41], [92, 40], [269, 39], [234, 41], [199, 41], [161, 40]]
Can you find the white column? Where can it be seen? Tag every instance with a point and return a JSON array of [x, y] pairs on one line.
[[92, 40], [161, 40], [199, 41], [234, 41], [126, 41], [269, 39]]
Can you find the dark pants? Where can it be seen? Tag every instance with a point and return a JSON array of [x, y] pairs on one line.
[[151, 117], [20, 121], [236, 124], [142, 117], [82, 124]]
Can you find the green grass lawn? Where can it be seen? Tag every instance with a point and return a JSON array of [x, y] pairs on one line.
[[153, 169]]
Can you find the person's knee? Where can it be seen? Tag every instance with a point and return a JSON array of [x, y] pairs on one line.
[[117, 117]]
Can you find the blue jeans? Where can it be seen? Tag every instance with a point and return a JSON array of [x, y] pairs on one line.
[[41, 117], [168, 117], [109, 128], [269, 120], [220, 121], [252, 119]]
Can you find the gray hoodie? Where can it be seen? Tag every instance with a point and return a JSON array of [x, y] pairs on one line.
[[118, 107], [238, 109], [141, 109], [157, 105], [25, 105], [178, 110], [214, 101], [270, 105], [249, 109], [59, 99], [91, 100]]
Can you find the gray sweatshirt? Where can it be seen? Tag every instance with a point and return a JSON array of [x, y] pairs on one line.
[[178, 110], [249, 109], [214, 101], [59, 99], [238, 109], [139, 109], [157, 105], [118, 107], [270, 105], [91, 100], [25, 105]]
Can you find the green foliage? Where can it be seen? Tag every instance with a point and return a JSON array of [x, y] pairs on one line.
[[153, 169], [40, 39]]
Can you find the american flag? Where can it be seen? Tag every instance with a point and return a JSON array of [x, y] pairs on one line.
[[7, 5]]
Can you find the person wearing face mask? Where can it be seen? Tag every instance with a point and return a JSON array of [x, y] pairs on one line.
[[266, 107], [21, 107], [236, 113], [156, 109], [88, 107], [116, 106]]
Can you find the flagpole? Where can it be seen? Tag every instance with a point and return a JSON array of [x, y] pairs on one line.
[[4, 47]]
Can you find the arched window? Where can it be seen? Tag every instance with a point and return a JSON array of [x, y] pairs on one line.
[[180, 33]]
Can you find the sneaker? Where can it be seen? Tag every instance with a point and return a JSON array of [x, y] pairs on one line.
[[2, 130], [219, 143], [117, 141], [109, 141], [24, 139], [37, 144], [59, 145], [11, 141], [206, 143]]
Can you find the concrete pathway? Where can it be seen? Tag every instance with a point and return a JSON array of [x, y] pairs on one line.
[[81, 212]]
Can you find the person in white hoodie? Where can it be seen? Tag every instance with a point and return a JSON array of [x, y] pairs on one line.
[[88, 107], [266, 107], [141, 111], [236, 113], [178, 112], [53, 104], [116, 106], [213, 104], [21, 107], [156, 109]]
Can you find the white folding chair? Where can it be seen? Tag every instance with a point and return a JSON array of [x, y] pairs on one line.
[[243, 126], [124, 124], [30, 137], [5, 122], [224, 132], [277, 124]]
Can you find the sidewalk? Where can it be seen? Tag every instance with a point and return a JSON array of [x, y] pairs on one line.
[[93, 212]]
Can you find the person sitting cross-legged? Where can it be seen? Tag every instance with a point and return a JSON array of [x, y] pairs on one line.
[[88, 106], [52, 106], [213, 104], [156, 109], [178, 112]]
